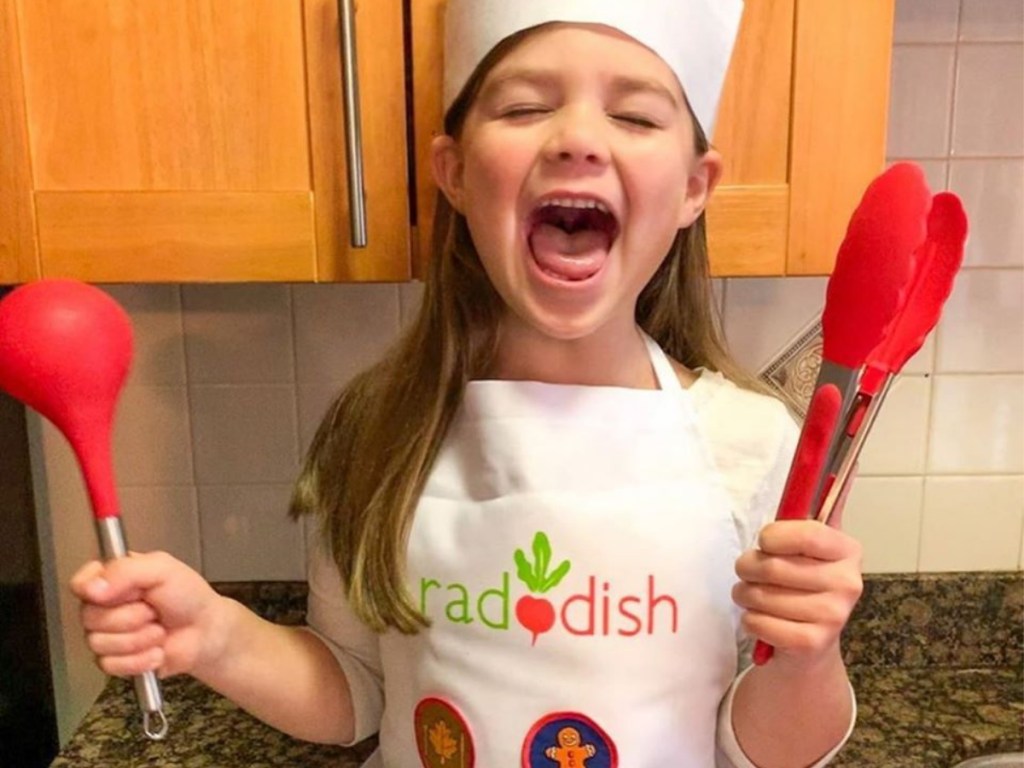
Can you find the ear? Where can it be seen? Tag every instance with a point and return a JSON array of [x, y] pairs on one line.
[[701, 182], [446, 163]]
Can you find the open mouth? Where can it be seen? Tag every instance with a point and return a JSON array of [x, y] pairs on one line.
[[570, 238]]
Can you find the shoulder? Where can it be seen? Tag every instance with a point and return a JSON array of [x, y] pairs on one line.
[[735, 419], [734, 414], [752, 438]]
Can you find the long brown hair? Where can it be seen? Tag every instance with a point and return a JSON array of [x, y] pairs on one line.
[[370, 458]]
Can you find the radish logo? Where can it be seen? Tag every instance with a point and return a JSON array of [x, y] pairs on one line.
[[537, 614], [591, 606]]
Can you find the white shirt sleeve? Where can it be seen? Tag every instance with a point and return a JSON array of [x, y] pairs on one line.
[[757, 495], [354, 645]]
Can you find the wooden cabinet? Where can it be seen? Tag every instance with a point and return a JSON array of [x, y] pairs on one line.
[[802, 129], [196, 140], [184, 140]]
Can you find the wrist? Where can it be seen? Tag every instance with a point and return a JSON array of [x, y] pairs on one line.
[[812, 665], [218, 628]]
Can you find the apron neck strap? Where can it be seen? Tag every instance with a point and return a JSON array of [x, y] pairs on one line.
[[668, 381]]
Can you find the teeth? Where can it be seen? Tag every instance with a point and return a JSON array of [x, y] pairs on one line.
[[576, 203]]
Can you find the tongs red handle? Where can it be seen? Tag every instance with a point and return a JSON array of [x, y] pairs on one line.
[[808, 463]]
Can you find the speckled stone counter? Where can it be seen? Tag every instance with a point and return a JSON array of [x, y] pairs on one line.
[[936, 661], [206, 731]]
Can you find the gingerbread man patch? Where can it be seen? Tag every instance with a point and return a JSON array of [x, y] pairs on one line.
[[568, 740]]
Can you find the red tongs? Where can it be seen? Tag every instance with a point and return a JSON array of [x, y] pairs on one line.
[[893, 275]]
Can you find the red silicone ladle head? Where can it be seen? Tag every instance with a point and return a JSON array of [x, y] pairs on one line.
[[65, 350]]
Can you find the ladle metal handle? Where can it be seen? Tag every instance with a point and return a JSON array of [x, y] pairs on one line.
[[147, 686]]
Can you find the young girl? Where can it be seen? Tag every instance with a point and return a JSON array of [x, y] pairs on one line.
[[535, 509]]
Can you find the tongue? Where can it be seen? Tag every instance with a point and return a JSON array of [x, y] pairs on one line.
[[575, 256]]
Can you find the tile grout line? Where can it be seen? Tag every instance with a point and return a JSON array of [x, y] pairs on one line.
[[180, 292], [933, 383], [295, 406]]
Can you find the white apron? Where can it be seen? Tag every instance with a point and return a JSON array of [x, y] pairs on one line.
[[574, 549]]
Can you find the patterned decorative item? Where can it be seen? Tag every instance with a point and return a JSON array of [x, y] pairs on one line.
[[793, 371]]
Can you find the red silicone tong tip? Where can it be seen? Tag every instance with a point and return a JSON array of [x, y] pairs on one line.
[[938, 260], [65, 351], [874, 264]]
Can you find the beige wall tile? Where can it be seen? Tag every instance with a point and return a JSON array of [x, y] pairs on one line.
[[884, 514], [244, 433], [763, 315], [247, 535], [972, 523], [410, 296], [992, 192], [989, 105], [922, 91], [151, 437], [977, 424], [926, 21], [163, 517], [898, 441], [314, 400], [238, 334], [923, 361], [1020, 562], [718, 291], [936, 172], [982, 326], [158, 351], [992, 20], [342, 329]]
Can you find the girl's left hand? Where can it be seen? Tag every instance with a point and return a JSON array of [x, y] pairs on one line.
[[799, 587]]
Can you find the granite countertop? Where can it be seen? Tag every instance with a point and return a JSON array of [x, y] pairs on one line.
[[937, 662]]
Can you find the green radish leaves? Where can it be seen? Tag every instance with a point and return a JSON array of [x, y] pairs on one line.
[[535, 575]]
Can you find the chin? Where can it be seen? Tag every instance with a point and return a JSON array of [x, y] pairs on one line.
[[564, 324]]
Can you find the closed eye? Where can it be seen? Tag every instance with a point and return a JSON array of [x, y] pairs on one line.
[[642, 122], [524, 111]]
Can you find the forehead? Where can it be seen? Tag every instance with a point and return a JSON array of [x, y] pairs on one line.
[[592, 49]]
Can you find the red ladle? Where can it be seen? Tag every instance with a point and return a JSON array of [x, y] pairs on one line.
[[65, 351]]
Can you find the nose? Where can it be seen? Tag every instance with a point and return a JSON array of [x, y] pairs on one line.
[[578, 139]]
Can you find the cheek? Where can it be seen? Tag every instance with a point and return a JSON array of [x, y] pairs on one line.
[[495, 169]]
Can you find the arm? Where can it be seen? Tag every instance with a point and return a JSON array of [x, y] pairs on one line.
[[799, 589], [285, 676]]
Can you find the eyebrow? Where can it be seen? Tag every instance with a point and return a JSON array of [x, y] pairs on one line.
[[621, 85]]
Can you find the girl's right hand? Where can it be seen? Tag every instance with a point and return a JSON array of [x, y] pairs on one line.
[[149, 612]]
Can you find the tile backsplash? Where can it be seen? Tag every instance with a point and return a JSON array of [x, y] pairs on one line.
[[229, 382]]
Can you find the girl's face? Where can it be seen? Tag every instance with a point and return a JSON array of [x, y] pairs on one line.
[[575, 170]]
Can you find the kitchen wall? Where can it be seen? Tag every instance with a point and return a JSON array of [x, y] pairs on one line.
[[229, 381]]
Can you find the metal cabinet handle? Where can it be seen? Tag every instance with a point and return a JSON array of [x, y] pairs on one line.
[[353, 130]]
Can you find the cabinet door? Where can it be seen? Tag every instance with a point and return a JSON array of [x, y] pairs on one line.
[[748, 215], [179, 140]]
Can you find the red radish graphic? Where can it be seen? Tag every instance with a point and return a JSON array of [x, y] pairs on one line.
[[536, 614]]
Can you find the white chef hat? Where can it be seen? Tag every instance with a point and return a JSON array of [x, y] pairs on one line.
[[694, 37]]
